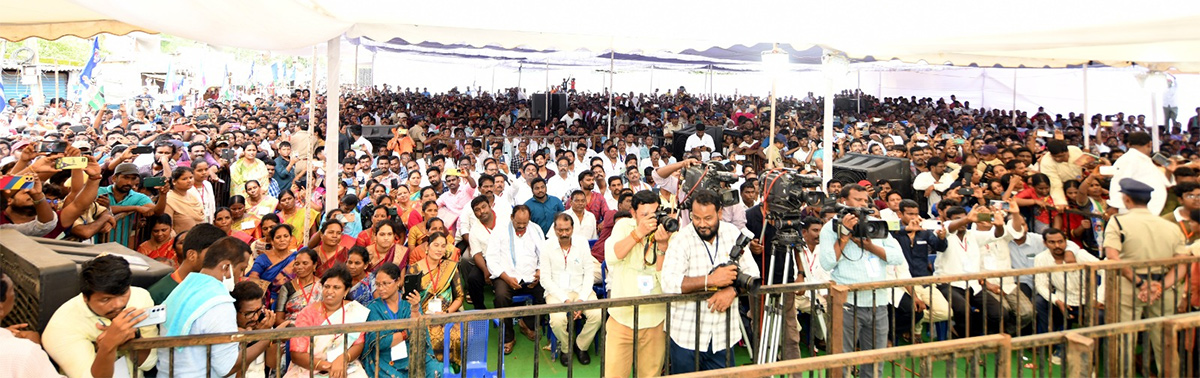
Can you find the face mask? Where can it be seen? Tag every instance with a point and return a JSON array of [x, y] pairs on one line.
[[228, 281]]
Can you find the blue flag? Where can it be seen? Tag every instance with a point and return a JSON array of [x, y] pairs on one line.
[[3, 100], [85, 77]]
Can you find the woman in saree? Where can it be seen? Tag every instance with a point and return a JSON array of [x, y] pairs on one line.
[[242, 220], [275, 264], [441, 291], [427, 194], [298, 217], [377, 353], [435, 225], [405, 206], [413, 183], [304, 289], [362, 288], [367, 236], [185, 209], [159, 246], [418, 231], [386, 246], [262, 233], [223, 219], [330, 251], [330, 353]]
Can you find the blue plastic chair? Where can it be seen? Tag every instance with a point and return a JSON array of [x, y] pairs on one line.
[[475, 344], [519, 298], [601, 290]]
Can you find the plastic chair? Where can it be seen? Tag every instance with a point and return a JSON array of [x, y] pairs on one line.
[[601, 290], [519, 298], [475, 346]]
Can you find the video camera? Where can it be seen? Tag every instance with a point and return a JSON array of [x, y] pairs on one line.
[[743, 283], [709, 176], [871, 229]]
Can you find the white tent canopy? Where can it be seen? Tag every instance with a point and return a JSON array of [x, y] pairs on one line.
[[1157, 34]]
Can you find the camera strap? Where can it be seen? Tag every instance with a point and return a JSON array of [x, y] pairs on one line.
[[716, 246]]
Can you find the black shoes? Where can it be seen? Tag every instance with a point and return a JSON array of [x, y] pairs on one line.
[[582, 356]]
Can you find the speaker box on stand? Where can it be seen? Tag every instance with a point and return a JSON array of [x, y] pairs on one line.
[[852, 168]]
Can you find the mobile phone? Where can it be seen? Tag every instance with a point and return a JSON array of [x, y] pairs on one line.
[[142, 150], [54, 147], [931, 224], [412, 282], [1108, 170], [71, 162], [202, 117], [154, 182], [960, 141], [965, 191], [985, 217], [1160, 159], [228, 154], [77, 129], [113, 106], [154, 316], [1107, 124], [1001, 204], [1044, 134], [947, 136], [16, 182]]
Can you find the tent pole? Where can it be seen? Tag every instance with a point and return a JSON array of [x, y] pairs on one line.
[[520, 67], [546, 110], [651, 78], [312, 134], [333, 105], [1154, 118], [827, 133], [771, 136], [711, 83], [611, 69], [858, 91], [1087, 120], [1014, 98], [354, 81], [493, 89]]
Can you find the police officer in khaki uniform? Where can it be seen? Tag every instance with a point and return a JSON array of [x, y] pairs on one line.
[[1135, 236]]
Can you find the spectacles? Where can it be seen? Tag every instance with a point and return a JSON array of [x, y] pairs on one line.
[[379, 282], [252, 313], [1191, 196]]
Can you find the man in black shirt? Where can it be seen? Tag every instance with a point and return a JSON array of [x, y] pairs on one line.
[[917, 244]]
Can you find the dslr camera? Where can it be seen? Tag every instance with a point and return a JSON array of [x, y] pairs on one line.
[[870, 229], [744, 283], [666, 218]]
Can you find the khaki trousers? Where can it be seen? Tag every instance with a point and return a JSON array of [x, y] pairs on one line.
[[559, 321], [619, 349]]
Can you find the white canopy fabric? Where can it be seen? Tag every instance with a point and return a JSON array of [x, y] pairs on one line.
[[1156, 34]]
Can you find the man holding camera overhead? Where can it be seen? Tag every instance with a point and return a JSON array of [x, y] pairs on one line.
[[700, 259], [852, 259]]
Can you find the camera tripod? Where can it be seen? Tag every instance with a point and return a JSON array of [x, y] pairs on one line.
[[787, 236]]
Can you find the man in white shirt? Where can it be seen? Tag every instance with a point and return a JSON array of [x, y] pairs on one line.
[[736, 214], [512, 259], [564, 180], [583, 219], [569, 267], [615, 185], [934, 183], [1059, 165], [1061, 292], [700, 142], [571, 116], [1136, 164], [963, 256], [634, 177], [688, 268]]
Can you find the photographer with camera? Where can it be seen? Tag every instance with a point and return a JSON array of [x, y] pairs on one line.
[[634, 254], [852, 259], [695, 261]]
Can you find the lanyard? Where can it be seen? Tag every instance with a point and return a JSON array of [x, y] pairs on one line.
[[1186, 235], [343, 311], [391, 314], [433, 289], [307, 294], [716, 246], [808, 255]]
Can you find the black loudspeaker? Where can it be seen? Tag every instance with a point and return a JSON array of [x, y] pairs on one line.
[[384, 132], [852, 168], [558, 106], [43, 280], [679, 141], [146, 271]]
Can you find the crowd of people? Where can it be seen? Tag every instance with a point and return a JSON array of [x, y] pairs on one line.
[[473, 197]]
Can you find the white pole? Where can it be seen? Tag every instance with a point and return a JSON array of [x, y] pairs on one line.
[[546, 110], [1154, 118], [611, 69], [312, 137], [858, 91], [1087, 119], [333, 106], [1014, 96], [354, 79], [771, 136], [827, 133], [652, 78]]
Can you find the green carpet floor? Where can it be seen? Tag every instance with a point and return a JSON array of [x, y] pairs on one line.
[[530, 360]]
